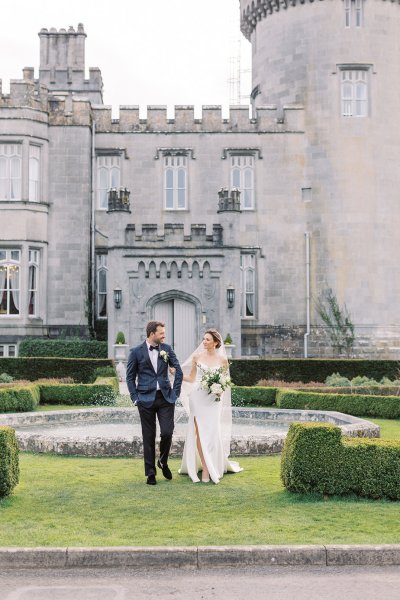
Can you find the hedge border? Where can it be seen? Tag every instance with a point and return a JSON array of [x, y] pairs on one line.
[[316, 458], [385, 407], [81, 370], [246, 372], [9, 461], [64, 348]]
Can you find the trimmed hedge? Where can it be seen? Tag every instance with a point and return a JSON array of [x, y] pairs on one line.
[[253, 396], [9, 461], [375, 390], [66, 348], [19, 398], [358, 405], [81, 394], [249, 372], [80, 369], [316, 459]]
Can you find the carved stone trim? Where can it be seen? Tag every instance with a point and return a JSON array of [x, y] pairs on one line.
[[241, 152], [174, 152]]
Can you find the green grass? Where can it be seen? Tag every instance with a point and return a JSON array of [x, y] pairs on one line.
[[390, 428], [70, 501]]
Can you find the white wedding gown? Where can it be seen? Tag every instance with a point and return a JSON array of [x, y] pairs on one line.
[[208, 414]]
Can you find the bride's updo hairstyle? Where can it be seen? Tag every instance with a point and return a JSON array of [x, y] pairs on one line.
[[216, 336]]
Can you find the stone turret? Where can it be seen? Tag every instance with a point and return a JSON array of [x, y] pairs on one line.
[[334, 59], [62, 63]]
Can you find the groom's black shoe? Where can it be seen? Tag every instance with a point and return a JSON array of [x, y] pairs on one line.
[[165, 470], [151, 479]]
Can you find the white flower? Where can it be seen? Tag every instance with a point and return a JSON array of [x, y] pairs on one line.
[[216, 389], [164, 355]]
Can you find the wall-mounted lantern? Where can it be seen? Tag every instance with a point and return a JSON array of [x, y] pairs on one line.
[[230, 296], [117, 297]]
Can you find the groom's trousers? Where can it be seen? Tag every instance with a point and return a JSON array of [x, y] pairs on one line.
[[164, 411]]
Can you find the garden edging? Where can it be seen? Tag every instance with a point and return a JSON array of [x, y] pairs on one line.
[[199, 557]]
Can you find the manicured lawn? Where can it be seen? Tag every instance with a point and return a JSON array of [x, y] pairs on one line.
[[64, 501], [390, 428]]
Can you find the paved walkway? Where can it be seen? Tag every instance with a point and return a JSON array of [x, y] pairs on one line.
[[268, 583]]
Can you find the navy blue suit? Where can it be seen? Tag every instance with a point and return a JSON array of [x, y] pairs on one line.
[[142, 380]]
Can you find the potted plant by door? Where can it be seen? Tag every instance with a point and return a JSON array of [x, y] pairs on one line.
[[120, 348], [229, 346]]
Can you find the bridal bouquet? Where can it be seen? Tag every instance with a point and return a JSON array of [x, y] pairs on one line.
[[215, 381]]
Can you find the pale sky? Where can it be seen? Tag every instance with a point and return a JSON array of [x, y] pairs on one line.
[[149, 51]]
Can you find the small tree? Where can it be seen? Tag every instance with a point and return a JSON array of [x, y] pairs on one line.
[[120, 339], [338, 321]]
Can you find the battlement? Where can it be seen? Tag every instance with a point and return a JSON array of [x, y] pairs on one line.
[[266, 119], [173, 235], [252, 11]]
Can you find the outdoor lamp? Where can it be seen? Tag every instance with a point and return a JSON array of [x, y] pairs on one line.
[[230, 296], [117, 297]]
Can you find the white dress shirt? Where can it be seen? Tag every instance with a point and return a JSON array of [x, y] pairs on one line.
[[153, 355]]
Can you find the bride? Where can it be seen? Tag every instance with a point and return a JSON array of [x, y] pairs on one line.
[[207, 444]]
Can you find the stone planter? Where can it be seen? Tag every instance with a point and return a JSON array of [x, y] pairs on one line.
[[229, 349], [121, 352]]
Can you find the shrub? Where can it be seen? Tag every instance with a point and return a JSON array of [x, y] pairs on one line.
[[316, 459], [4, 378], [248, 372], [9, 461], [80, 369], [120, 339], [80, 394], [65, 348], [19, 398], [385, 407], [336, 380], [253, 396]]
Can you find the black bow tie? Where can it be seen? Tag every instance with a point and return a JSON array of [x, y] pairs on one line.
[[154, 348]]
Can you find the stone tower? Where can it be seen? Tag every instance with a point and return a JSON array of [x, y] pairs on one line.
[[337, 59], [62, 63]]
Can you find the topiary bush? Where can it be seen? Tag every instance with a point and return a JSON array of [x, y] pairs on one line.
[[358, 405], [65, 348], [247, 372], [9, 461], [253, 396], [80, 369], [316, 459], [19, 398]]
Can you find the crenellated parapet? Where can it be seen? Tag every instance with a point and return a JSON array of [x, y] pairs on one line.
[[266, 119], [25, 93], [252, 11], [173, 235]]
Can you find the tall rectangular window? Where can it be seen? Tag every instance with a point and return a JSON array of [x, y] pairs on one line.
[[353, 13], [34, 173], [101, 286], [10, 260], [247, 285], [175, 182], [242, 178], [354, 93], [108, 177], [33, 275], [10, 171]]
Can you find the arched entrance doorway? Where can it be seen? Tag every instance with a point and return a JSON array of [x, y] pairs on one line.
[[181, 323]]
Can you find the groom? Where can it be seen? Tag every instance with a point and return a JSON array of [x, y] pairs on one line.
[[153, 395]]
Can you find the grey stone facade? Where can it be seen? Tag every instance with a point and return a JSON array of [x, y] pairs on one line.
[[321, 181]]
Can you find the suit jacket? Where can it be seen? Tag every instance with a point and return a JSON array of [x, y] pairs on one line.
[[143, 390]]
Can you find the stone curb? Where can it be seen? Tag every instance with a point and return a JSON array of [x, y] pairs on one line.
[[199, 557]]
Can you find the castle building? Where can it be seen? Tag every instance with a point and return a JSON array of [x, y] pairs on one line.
[[239, 223]]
